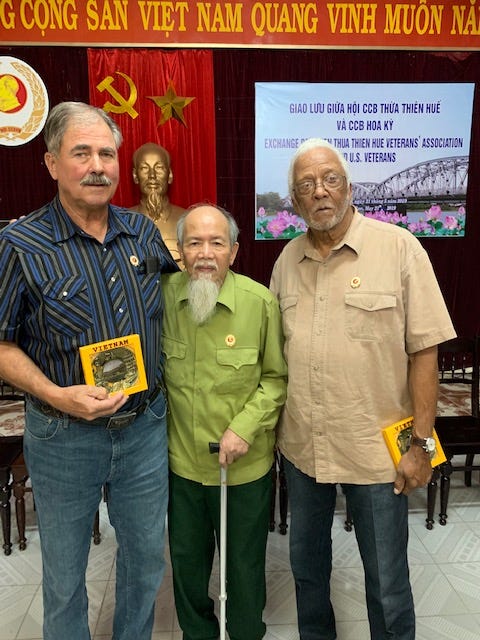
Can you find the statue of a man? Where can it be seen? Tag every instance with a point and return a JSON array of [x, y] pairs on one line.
[[153, 174]]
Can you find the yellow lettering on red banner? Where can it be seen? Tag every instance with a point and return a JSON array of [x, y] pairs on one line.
[[46, 15], [7, 18], [352, 17], [219, 18], [271, 17], [109, 15], [408, 18], [466, 22], [163, 16]]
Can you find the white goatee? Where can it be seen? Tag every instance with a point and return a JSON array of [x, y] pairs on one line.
[[202, 298]]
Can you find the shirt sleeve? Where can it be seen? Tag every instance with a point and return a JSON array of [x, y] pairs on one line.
[[428, 322]]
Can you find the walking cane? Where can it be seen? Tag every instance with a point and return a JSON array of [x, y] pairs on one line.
[[215, 448]]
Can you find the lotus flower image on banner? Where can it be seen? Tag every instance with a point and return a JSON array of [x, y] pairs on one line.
[[166, 97]]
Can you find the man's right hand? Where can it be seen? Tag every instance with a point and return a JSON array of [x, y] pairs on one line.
[[87, 401]]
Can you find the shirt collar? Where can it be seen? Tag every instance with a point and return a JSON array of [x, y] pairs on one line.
[[64, 228], [353, 239]]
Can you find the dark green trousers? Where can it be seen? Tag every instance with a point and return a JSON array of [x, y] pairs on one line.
[[194, 526]]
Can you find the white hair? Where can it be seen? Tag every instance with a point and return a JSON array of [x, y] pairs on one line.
[[308, 145]]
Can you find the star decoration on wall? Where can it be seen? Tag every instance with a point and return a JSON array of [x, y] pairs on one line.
[[171, 105]]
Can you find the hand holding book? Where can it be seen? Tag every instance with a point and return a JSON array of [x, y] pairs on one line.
[[116, 364], [398, 436]]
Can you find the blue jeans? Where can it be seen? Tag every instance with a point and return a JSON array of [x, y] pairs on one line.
[[381, 527], [69, 462]]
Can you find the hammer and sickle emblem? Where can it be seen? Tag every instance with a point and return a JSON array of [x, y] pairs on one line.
[[123, 105]]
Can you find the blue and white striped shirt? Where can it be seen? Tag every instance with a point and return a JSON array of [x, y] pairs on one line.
[[60, 289]]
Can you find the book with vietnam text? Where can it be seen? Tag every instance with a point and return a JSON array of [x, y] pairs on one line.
[[397, 436], [116, 364]]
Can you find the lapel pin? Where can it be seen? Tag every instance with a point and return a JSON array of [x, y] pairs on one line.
[[355, 282]]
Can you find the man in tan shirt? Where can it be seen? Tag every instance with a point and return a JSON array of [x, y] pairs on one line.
[[362, 316]]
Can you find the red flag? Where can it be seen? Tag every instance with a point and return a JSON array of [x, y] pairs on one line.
[[166, 97]]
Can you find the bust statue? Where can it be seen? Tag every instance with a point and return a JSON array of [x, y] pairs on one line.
[[153, 174]]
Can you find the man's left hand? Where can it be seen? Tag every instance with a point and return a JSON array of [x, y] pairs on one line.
[[232, 447], [414, 470]]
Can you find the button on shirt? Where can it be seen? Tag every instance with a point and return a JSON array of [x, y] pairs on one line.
[[61, 289], [228, 372], [350, 322]]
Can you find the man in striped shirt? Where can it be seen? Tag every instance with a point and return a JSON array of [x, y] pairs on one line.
[[75, 272]]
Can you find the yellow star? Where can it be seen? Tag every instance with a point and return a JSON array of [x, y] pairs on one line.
[[171, 105]]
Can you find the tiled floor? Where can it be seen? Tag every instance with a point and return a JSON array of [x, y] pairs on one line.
[[445, 571], [444, 562]]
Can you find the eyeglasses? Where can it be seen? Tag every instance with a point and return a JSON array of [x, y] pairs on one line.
[[330, 182]]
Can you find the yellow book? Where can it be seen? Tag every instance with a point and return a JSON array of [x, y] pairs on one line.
[[397, 436], [115, 364]]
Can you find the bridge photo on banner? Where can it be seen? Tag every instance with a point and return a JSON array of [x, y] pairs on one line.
[[407, 146]]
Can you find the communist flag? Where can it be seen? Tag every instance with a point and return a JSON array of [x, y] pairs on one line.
[[166, 97]]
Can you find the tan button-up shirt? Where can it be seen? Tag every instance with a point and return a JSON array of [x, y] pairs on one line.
[[350, 321]]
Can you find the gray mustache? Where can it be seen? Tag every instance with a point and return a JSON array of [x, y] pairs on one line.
[[95, 180]]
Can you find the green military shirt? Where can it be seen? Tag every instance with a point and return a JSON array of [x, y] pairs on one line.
[[228, 372]]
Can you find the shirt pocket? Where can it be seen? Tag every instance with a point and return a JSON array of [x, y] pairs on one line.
[[288, 307], [369, 316], [236, 369], [175, 352], [67, 306]]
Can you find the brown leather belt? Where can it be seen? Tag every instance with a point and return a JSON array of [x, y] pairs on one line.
[[117, 421]]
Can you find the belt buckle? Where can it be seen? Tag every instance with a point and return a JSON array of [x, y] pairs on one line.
[[121, 421]]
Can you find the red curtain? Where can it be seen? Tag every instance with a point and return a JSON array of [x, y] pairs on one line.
[[128, 80]]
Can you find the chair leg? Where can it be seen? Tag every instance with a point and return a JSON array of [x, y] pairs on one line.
[[283, 498], [19, 479], [431, 498], [5, 509], [468, 472], [348, 526], [271, 525], [97, 537], [446, 472]]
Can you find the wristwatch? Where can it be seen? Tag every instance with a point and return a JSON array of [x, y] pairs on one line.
[[427, 444]]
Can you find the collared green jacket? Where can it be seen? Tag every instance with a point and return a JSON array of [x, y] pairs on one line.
[[228, 372]]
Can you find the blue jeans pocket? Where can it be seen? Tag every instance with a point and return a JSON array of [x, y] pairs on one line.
[[158, 407], [40, 426]]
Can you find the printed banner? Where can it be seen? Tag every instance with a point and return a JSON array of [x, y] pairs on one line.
[[423, 24], [407, 146], [165, 97]]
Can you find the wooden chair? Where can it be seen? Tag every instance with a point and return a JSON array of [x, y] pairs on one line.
[[458, 362], [12, 421]]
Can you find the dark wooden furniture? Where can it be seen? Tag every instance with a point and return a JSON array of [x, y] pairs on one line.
[[458, 362], [13, 470], [12, 410], [279, 480]]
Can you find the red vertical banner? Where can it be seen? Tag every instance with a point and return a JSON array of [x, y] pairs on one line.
[[166, 97]]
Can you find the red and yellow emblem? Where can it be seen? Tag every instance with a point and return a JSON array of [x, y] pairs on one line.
[[23, 102], [230, 340]]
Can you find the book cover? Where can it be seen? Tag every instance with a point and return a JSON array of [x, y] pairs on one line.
[[397, 437], [116, 364]]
